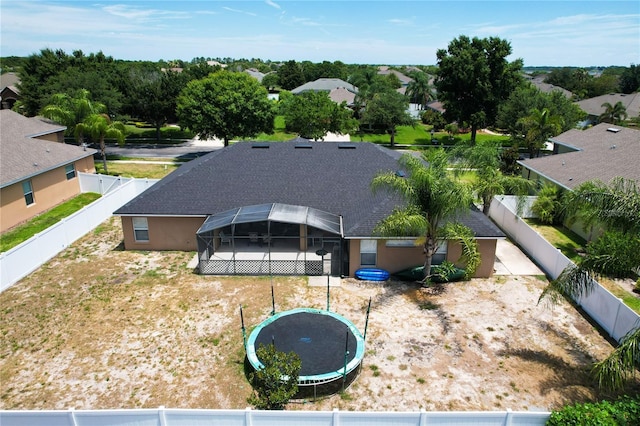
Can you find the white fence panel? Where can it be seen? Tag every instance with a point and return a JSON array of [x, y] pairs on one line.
[[28, 256], [607, 310], [183, 417]]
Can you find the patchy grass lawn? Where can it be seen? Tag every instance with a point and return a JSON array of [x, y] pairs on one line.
[[99, 327], [138, 168], [41, 222], [570, 243]]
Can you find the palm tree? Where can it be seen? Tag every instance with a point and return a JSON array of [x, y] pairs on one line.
[[99, 126], [540, 125], [617, 207], [613, 114], [420, 89], [489, 181], [70, 111], [432, 199]]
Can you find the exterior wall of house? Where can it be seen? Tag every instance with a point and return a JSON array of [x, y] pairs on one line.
[[165, 233], [394, 259], [487, 250], [49, 189], [53, 137]]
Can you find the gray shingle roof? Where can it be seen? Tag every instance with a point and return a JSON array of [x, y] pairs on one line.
[[602, 154], [329, 176], [593, 106], [22, 155], [324, 85]]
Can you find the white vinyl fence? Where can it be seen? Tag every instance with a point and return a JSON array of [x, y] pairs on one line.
[[181, 417], [610, 312], [28, 256]]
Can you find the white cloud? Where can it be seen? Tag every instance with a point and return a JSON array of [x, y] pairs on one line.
[[141, 14], [272, 4], [239, 11], [401, 22]]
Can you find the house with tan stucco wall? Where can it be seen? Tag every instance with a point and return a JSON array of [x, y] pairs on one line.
[[287, 208], [38, 170]]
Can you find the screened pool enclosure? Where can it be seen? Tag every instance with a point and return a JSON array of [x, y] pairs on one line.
[[271, 239]]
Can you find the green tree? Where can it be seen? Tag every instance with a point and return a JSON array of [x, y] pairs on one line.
[[434, 119], [70, 111], [290, 75], [419, 90], [386, 110], [154, 96], [474, 78], [50, 72], [432, 200], [630, 79], [616, 206], [277, 382], [226, 105], [614, 114], [526, 98], [484, 158], [313, 114], [99, 127], [270, 81], [539, 126]]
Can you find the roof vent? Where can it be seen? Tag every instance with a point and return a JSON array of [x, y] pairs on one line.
[[613, 129], [612, 147], [260, 145], [401, 173], [304, 146], [346, 146]]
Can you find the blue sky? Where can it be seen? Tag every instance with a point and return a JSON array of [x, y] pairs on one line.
[[555, 33]]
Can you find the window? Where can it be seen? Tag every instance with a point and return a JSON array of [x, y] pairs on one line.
[[70, 170], [140, 229], [401, 243], [27, 189], [368, 251]]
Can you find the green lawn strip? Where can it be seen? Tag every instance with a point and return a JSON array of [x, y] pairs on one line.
[[148, 170], [569, 243], [629, 299], [39, 223]]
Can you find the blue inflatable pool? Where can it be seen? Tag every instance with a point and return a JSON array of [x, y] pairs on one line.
[[372, 274]]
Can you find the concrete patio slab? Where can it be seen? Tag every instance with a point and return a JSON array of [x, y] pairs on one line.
[[510, 260]]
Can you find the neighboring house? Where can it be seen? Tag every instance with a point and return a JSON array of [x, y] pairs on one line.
[[341, 94], [593, 106], [404, 80], [216, 64], [256, 208], [37, 169], [539, 83], [601, 152], [9, 92], [436, 106], [325, 85], [255, 74]]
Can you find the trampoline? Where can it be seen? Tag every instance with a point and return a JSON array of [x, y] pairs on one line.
[[319, 338]]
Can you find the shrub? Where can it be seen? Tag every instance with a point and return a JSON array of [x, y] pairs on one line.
[[276, 383], [614, 254], [624, 411], [547, 205]]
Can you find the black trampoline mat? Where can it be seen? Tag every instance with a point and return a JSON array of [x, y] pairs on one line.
[[318, 339]]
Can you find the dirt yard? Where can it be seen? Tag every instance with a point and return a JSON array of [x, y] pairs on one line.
[[99, 327]]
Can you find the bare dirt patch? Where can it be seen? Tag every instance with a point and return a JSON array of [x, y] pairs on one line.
[[99, 327]]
